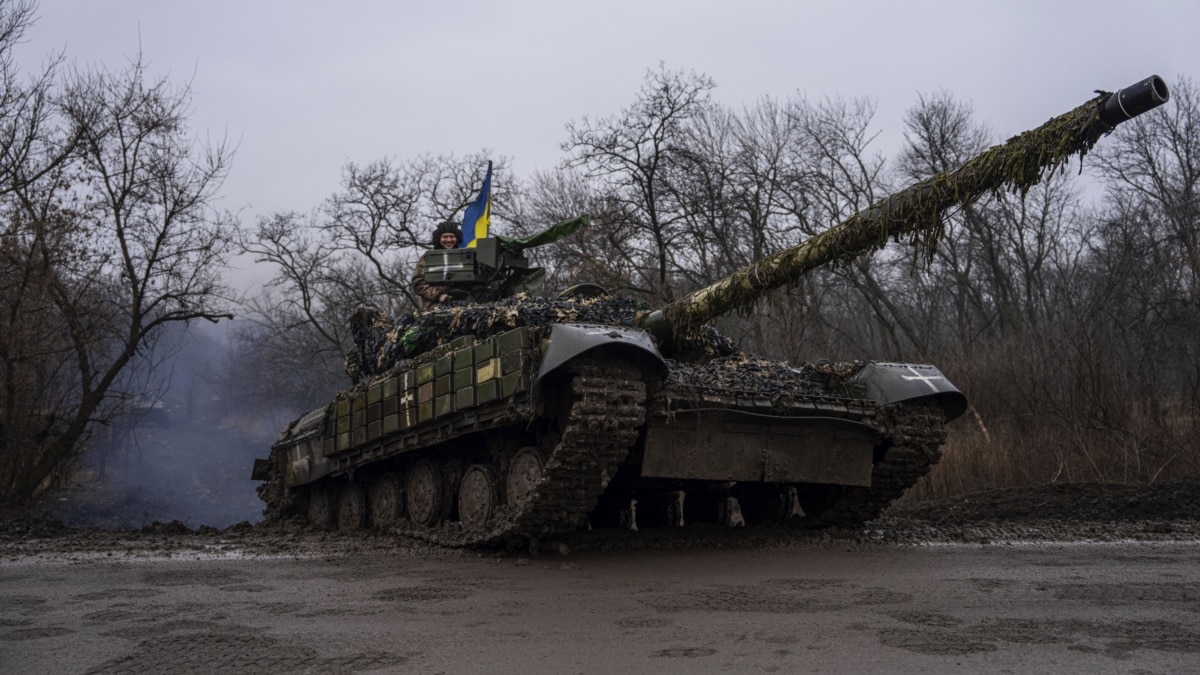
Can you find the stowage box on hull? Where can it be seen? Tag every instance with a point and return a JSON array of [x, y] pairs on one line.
[[464, 387]]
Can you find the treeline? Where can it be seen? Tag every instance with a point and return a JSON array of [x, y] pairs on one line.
[[1070, 315]]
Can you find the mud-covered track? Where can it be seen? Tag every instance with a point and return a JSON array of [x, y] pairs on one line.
[[606, 413], [912, 435]]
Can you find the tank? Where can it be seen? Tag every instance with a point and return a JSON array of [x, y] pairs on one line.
[[510, 417]]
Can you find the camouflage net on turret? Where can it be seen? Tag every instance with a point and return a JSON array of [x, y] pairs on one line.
[[381, 343], [916, 214]]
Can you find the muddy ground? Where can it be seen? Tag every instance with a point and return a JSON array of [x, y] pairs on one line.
[[1092, 578], [1077, 512]]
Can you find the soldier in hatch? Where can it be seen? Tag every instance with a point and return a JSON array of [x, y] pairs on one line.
[[447, 235]]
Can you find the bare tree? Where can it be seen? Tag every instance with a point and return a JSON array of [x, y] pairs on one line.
[[630, 157], [598, 254], [109, 246], [1152, 213], [32, 144]]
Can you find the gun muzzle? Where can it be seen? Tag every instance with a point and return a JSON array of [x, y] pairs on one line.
[[1134, 100]]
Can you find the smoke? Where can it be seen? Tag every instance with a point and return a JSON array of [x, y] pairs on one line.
[[183, 452]]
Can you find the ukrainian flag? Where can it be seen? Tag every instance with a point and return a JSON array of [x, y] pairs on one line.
[[478, 214]]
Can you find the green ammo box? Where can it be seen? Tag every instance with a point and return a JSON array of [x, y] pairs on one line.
[[425, 373], [343, 408], [513, 340], [391, 423], [512, 383], [360, 435], [343, 441], [358, 419], [425, 411], [444, 366], [374, 393], [343, 424], [443, 405], [444, 385], [373, 430], [488, 391], [485, 350], [407, 396], [511, 362], [464, 398], [390, 386], [487, 370], [464, 358], [464, 378]]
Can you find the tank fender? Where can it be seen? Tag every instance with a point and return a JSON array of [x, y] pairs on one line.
[[306, 423], [887, 383], [570, 341]]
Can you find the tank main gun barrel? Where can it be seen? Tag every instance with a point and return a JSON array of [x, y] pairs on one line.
[[917, 212]]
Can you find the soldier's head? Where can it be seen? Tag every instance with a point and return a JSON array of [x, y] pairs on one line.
[[447, 235]]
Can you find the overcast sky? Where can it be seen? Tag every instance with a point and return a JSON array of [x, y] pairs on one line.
[[302, 87]]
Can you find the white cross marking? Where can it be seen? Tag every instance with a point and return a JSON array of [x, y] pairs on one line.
[[924, 378]]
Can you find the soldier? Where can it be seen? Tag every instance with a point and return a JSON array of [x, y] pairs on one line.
[[447, 235]]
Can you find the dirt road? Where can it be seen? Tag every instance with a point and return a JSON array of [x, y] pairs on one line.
[[786, 607]]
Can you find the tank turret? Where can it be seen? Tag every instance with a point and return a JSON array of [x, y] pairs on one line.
[[513, 417]]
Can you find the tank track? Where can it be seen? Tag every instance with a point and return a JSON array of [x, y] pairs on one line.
[[602, 426], [280, 501], [917, 432]]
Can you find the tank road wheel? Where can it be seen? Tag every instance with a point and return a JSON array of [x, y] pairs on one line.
[[322, 511], [425, 493], [817, 501], [387, 500], [478, 497], [764, 503], [524, 474], [352, 508]]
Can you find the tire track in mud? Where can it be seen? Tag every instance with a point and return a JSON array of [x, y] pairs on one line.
[[18, 613], [777, 596], [934, 633], [900, 622], [35, 633], [118, 593], [1116, 639], [193, 577], [200, 637], [1111, 594], [240, 649]]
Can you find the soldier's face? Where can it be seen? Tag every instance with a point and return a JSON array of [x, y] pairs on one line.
[[448, 240]]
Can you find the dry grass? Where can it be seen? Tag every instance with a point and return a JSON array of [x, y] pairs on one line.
[[1030, 450]]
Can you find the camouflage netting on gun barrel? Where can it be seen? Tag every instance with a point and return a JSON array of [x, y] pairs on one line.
[[916, 214]]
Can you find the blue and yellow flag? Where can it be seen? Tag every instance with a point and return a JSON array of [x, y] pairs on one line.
[[478, 214]]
